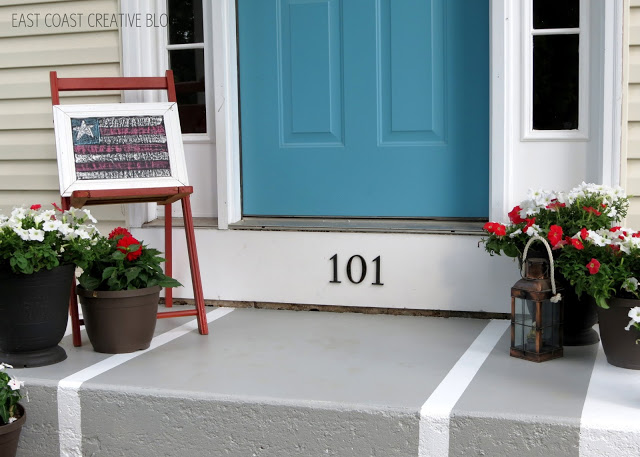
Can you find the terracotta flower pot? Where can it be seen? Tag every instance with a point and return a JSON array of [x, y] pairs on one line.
[[619, 344], [10, 434], [33, 316], [120, 321]]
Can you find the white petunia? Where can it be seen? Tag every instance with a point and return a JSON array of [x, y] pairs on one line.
[[630, 284], [83, 234], [91, 218], [532, 230], [22, 233], [51, 225], [634, 314], [5, 365], [15, 384], [515, 233], [36, 235], [18, 213], [12, 420]]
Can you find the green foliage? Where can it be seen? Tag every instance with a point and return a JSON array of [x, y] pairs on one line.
[[117, 266], [9, 396]]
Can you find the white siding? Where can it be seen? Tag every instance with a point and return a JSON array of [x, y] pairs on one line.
[[28, 170], [631, 107]]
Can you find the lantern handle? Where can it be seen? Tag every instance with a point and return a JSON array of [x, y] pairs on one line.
[[556, 296]]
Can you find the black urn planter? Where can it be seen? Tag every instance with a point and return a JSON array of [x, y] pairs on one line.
[[33, 316], [580, 315], [619, 345]]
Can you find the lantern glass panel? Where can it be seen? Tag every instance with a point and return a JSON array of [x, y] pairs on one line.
[[525, 324], [550, 325]]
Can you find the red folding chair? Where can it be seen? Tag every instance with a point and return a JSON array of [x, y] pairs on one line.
[[160, 195]]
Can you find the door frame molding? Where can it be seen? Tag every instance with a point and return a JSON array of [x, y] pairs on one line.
[[505, 62]]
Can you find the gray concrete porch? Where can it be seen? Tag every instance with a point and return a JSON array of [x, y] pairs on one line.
[[286, 383]]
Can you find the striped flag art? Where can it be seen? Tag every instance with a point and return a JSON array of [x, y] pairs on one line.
[[121, 147]]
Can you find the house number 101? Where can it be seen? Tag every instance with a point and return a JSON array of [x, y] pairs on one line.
[[363, 270]]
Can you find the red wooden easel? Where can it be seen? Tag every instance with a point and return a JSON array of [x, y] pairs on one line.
[[160, 195]]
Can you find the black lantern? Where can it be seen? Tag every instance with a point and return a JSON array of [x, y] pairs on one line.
[[536, 314]]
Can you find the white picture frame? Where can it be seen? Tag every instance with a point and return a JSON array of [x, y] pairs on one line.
[[119, 146]]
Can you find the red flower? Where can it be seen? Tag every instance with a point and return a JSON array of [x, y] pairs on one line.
[[514, 215], [614, 229], [593, 266], [555, 234], [119, 231], [614, 247], [490, 227], [57, 207], [584, 233], [603, 205], [124, 244], [500, 230], [591, 209], [555, 204], [576, 243], [636, 235], [530, 222], [36, 207]]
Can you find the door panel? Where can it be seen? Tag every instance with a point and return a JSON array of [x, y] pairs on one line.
[[364, 108]]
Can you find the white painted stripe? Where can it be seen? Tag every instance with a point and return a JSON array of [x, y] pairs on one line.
[[435, 413], [610, 422], [69, 411]]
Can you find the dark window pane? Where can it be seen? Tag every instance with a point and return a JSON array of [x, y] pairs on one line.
[[555, 82], [185, 21], [556, 14], [188, 71]]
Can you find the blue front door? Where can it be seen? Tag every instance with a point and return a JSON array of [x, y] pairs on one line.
[[364, 108]]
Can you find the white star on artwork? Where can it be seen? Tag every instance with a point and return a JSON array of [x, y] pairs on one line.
[[83, 130]]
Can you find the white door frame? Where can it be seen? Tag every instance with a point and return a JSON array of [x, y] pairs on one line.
[[505, 62]]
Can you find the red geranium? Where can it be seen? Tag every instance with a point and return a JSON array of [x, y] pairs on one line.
[[555, 204], [514, 215], [584, 233], [119, 231], [36, 207], [124, 244], [530, 222], [576, 243], [490, 227], [591, 209], [555, 234], [500, 230], [593, 266]]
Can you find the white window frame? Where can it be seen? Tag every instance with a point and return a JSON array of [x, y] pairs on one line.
[[582, 132], [145, 53]]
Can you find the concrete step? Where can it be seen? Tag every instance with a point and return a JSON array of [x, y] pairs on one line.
[[285, 383]]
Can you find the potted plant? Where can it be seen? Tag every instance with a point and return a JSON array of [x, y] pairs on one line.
[[119, 292], [553, 215], [39, 251], [12, 414], [605, 264]]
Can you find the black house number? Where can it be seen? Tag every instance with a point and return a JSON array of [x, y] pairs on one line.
[[363, 270]]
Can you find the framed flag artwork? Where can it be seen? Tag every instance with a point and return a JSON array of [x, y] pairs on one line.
[[119, 146]]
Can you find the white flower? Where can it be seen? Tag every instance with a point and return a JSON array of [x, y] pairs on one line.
[[91, 218], [18, 214], [22, 233], [51, 225], [630, 285], [12, 420], [533, 230], [515, 233], [634, 314], [36, 235], [79, 272], [15, 384], [5, 365], [83, 234]]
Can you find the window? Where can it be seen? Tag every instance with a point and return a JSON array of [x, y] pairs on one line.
[[556, 70], [186, 51]]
